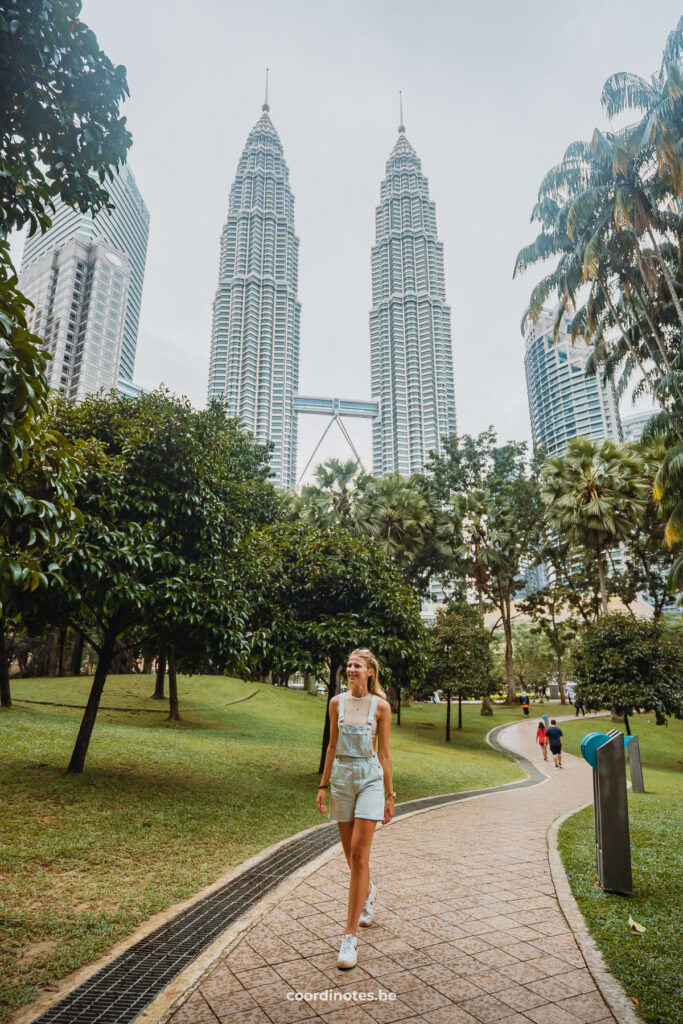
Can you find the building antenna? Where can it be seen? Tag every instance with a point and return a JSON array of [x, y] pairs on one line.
[[266, 106], [401, 126]]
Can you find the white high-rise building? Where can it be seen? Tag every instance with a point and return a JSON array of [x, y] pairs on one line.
[[634, 424], [254, 365], [410, 321], [102, 332], [80, 294], [564, 402]]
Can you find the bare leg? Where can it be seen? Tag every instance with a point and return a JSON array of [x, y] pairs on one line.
[[346, 836], [359, 862]]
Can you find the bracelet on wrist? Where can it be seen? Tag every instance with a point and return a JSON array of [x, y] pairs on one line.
[[324, 787]]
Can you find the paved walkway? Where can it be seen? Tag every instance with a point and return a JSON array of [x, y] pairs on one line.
[[467, 928]]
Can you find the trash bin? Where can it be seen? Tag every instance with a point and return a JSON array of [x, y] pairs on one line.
[[604, 752]]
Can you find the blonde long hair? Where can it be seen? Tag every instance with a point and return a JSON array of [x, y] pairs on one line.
[[373, 669]]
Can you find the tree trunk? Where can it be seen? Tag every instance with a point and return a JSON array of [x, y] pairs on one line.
[[161, 672], [560, 679], [603, 585], [448, 718], [486, 706], [77, 653], [459, 711], [627, 724], [61, 658], [507, 630], [53, 656], [173, 712], [398, 705], [331, 691], [5, 692], [80, 750], [147, 663]]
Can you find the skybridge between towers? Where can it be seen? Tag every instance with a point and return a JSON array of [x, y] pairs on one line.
[[336, 409]]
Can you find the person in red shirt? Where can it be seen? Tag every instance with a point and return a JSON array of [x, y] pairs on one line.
[[542, 739]]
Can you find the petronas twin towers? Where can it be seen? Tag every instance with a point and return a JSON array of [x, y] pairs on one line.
[[254, 366]]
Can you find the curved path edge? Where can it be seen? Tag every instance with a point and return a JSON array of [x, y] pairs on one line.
[[609, 987]]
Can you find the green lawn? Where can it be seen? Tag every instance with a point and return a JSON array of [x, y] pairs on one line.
[[648, 966], [164, 808]]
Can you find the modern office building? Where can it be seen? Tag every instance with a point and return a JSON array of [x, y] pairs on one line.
[[125, 232], [564, 402], [254, 365], [410, 321], [634, 425], [80, 294]]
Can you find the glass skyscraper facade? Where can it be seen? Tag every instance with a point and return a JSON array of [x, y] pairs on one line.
[[410, 322], [564, 402], [254, 364], [125, 231]]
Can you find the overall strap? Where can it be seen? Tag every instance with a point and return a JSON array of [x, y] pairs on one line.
[[340, 709], [373, 709]]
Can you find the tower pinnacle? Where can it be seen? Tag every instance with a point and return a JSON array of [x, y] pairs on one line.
[[266, 105], [401, 126]]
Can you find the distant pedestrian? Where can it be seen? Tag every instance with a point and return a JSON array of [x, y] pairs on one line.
[[554, 736], [578, 704], [525, 703], [542, 739]]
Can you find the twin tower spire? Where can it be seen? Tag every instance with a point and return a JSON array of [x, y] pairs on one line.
[[254, 364]]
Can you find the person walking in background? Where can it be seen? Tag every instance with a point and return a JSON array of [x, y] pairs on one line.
[[541, 739], [525, 703], [554, 735], [578, 704], [357, 773]]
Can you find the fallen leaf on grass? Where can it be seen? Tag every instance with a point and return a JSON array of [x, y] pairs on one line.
[[634, 1000], [636, 929]]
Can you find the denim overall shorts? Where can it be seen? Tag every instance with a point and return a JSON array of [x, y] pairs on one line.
[[357, 777]]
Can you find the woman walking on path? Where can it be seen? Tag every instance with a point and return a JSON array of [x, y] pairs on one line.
[[357, 776], [542, 739]]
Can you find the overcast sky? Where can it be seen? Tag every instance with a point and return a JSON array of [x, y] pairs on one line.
[[493, 94]]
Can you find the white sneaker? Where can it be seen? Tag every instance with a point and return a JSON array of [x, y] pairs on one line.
[[366, 914], [348, 952]]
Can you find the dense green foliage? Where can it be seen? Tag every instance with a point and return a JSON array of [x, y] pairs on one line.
[[458, 656], [630, 665]]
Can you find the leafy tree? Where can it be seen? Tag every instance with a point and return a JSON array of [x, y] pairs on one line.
[[648, 562], [38, 517], [61, 130], [155, 559], [494, 495], [668, 493], [595, 496], [316, 594], [630, 665], [60, 135], [458, 656]]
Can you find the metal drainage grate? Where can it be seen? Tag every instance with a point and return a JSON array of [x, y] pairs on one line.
[[117, 993]]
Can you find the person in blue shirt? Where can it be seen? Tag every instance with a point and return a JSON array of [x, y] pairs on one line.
[[554, 737]]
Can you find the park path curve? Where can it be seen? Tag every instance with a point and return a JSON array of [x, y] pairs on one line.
[[467, 930]]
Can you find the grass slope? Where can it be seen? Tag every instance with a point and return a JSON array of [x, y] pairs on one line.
[[164, 808], [648, 966]]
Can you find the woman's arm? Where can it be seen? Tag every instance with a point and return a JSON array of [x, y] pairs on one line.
[[329, 756], [384, 755]]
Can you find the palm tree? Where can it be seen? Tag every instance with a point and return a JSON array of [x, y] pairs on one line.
[[668, 491], [396, 514], [595, 496], [332, 499], [472, 511]]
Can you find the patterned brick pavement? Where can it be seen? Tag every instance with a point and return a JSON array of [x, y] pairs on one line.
[[467, 928]]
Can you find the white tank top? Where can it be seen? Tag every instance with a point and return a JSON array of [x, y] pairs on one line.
[[356, 711]]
